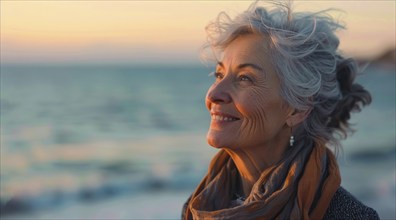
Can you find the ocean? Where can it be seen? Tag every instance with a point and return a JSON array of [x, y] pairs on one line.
[[128, 142]]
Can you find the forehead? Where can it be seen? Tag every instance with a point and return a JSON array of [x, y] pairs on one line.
[[252, 48]]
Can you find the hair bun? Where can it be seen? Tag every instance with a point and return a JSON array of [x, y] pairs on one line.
[[354, 96]]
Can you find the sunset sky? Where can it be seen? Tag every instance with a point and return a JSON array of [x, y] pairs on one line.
[[157, 31]]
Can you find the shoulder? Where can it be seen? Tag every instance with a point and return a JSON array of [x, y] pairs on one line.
[[345, 206]]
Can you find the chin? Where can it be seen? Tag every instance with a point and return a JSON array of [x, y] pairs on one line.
[[217, 140], [214, 141]]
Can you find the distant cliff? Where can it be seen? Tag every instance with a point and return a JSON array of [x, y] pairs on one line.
[[387, 59], [389, 56]]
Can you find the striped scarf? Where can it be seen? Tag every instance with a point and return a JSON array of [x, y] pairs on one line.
[[300, 186]]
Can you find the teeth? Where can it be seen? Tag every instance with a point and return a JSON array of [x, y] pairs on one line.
[[223, 118]]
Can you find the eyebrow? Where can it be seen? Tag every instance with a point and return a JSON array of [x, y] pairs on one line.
[[243, 65]]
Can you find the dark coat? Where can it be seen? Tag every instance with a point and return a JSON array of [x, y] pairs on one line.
[[344, 205]]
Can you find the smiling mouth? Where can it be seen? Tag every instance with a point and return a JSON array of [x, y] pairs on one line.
[[223, 117]]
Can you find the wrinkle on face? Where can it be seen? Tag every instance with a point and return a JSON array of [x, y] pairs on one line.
[[258, 119], [259, 104], [260, 137]]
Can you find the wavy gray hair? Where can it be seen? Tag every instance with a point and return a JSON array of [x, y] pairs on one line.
[[304, 50]]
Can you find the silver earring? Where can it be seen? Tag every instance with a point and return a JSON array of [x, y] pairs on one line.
[[291, 137], [291, 141]]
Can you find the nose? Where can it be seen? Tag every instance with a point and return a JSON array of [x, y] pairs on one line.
[[218, 94]]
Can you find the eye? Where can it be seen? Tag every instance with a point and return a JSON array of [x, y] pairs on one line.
[[217, 75], [245, 78]]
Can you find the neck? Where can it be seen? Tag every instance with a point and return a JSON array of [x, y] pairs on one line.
[[251, 162]]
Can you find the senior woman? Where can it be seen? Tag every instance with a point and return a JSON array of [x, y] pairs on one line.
[[282, 94]]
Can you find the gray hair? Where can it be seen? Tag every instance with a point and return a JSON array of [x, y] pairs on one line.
[[304, 50]]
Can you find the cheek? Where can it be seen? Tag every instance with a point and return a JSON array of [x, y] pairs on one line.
[[260, 112], [253, 106], [207, 102], [254, 117]]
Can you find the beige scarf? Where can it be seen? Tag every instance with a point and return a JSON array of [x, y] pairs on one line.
[[300, 186]]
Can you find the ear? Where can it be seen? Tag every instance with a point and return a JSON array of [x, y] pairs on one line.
[[297, 116]]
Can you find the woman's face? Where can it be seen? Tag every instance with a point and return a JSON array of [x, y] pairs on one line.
[[244, 102]]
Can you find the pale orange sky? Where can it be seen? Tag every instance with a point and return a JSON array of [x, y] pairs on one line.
[[157, 31]]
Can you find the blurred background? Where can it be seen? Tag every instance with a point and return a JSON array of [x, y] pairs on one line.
[[103, 115]]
